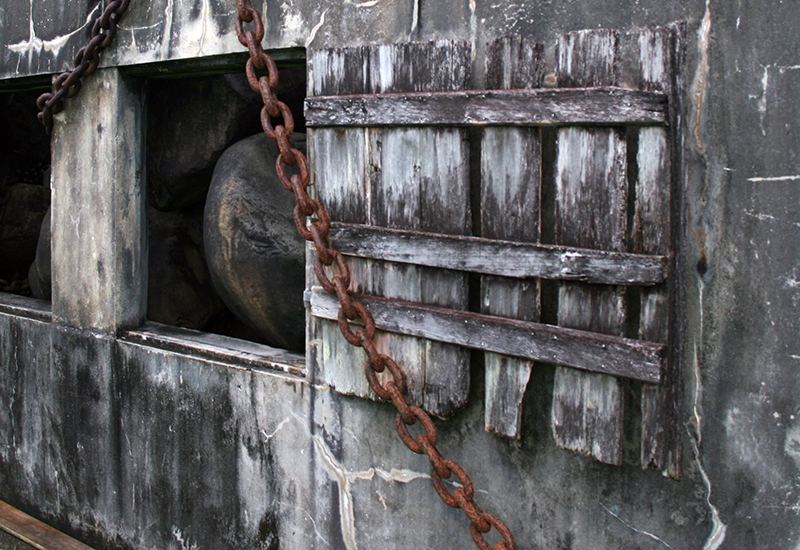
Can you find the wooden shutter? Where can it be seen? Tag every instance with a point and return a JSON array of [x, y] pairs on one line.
[[390, 157]]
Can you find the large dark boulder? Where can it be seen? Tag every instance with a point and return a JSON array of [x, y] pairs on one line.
[[255, 255], [39, 277], [190, 124], [22, 209], [179, 290]]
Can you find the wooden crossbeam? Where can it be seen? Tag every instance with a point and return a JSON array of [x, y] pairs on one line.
[[602, 353], [538, 107], [497, 257]]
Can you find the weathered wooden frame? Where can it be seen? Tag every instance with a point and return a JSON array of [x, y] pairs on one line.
[[652, 358]]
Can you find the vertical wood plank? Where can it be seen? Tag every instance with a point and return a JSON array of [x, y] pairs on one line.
[[422, 182], [590, 212], [510, 196], [405, 178], [339, 165], [661, 438]]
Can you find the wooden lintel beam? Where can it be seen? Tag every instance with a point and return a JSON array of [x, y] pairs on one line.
[[495, 257], [537, 107], [626, 358]]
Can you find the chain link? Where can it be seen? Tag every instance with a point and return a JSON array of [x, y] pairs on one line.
[[68, 84], [355, 320]]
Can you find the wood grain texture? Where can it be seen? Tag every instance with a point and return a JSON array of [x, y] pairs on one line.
[[502, 258], [511, 174], [34, 532], [407, 179], [591, 212], [661, 446], [579, 349], [544, 107]]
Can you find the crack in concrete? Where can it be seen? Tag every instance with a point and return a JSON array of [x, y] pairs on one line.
[[634, 529], [718, 529], [314, 29]]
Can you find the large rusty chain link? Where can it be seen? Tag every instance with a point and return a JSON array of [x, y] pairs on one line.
[[355, 320], [68, 84]]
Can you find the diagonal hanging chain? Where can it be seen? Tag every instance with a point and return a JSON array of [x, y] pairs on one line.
[[69, 84], [353, 311]]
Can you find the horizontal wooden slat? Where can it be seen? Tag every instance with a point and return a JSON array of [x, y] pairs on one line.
[[495, 257], [635, 359], [539, 107]]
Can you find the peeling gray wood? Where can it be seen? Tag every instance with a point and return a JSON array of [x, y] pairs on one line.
[[591, 212], [661, 425], [393, 178], [511, 166], [560, 107], [99, 230], [579, 349], [504, 258]]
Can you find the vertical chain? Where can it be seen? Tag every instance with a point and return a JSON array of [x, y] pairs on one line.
[[355, 320]]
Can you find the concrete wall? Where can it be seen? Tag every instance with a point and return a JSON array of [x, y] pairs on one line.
[[147, 445]]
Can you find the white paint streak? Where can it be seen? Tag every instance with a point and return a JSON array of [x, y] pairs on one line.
[[345, 479], [280, 426], [366, 4], [700, 82], [54, 45], [718, 529], [314, 30], [775, 178], [634, 529], [165, 37], [762, 103], [415, 17], [473, 26]]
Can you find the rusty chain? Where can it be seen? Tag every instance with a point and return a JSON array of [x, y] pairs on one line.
[[353, 312], [68, 84]]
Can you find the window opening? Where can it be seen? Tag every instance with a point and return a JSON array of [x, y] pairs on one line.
[[224, 255], [24, 197]]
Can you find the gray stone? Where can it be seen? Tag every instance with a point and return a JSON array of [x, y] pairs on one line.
[[39, 274], [22, 210], [179, 290], [190, 124], [254, 252]]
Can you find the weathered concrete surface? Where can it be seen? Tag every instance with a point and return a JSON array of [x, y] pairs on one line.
[[741, 487], [98, 207]]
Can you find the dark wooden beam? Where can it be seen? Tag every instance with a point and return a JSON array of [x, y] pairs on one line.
[[614, 355], [538, 107], [497, 257], [35, 533]]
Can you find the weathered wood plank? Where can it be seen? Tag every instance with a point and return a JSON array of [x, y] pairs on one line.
[[340, 169], [35, 533], [591, 212], [398, 175], [542, 107], [422, 183], [499, 257], [579, 349], [511, 165], [661, 438]]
